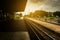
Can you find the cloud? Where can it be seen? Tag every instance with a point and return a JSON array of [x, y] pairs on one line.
[[46, 5], [36, 1], [53, 5]]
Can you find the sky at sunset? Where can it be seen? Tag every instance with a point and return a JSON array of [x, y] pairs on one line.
[[46, 5]]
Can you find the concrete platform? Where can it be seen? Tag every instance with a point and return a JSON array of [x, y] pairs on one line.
[[14, 36]]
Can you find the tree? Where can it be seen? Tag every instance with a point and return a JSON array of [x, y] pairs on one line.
[[57, 13], [40, 13], [20, 14]]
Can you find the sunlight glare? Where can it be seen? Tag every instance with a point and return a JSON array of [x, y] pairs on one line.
[[21, 18], [30, 7]]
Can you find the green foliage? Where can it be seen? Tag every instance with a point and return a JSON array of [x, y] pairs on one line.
[[20, 14], [57, 13], [38, 13]]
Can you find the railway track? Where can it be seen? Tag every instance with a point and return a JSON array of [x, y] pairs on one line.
[[38, 32]]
